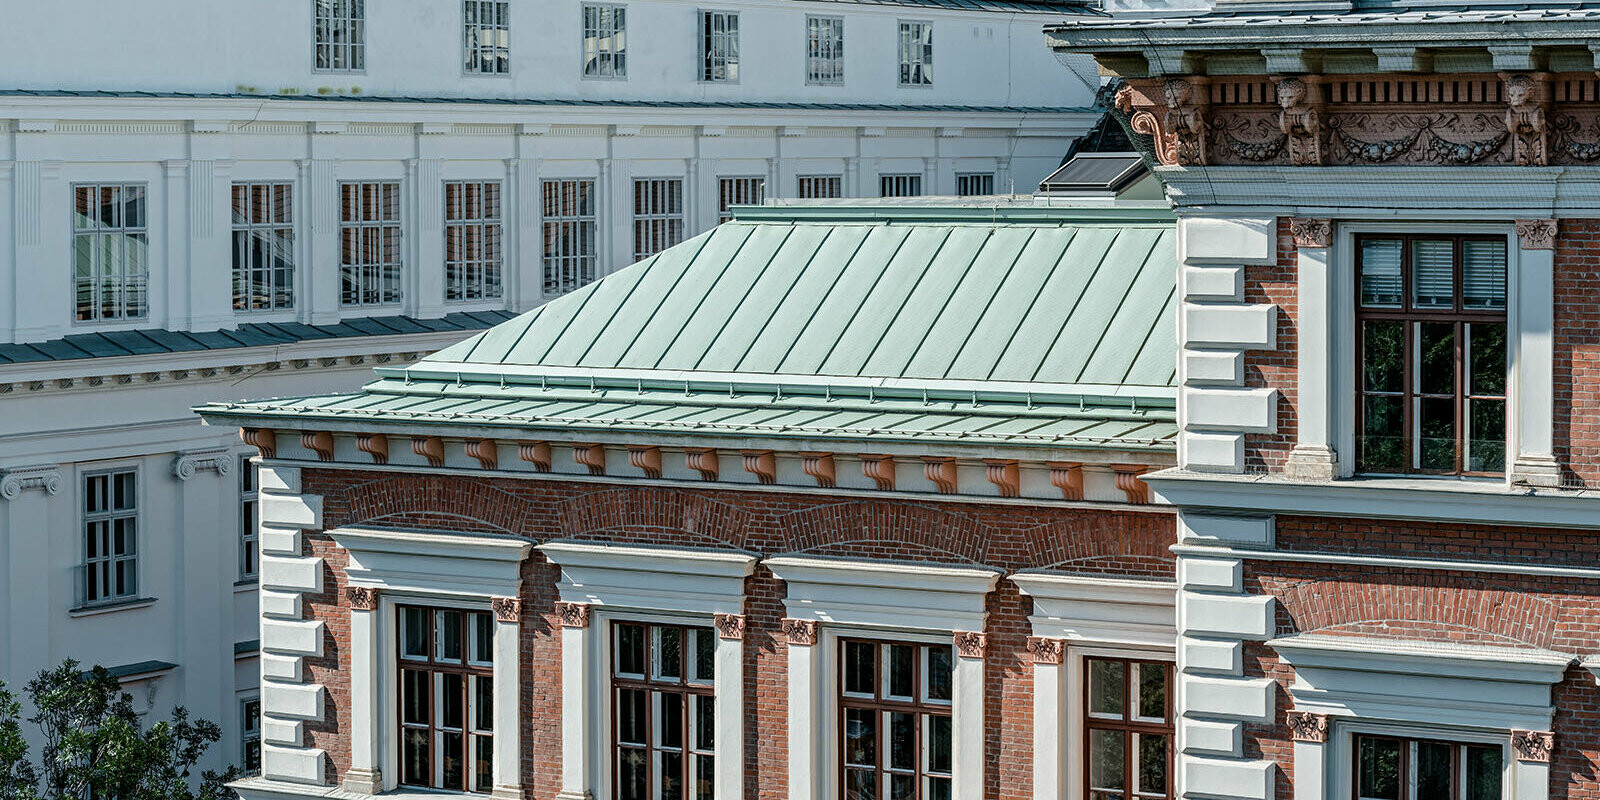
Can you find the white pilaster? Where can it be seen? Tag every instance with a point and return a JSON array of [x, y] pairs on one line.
[[426, 270], [508, 699], [528, 265], [364, 775], [807, 721], [179, 308], [320, 298], [966, 776], [730, 718], [1533, 356], [577, 708], [25, 500], [1051, 736], [1313, 457]]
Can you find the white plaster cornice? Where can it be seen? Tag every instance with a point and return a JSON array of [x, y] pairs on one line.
[[651, 578], [13, 482], [885, 594], [433, 562], [1091, 609]]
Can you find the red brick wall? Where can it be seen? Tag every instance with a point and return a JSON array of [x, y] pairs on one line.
[[1577, 349], [1552, 612], [1263, 285], [1110, 542]]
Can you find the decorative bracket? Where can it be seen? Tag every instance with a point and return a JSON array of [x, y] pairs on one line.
[[506, 609], [1042, 650], [361, 598], [1536, 234], [375, 445], [592, 456], [1068, 477], [820, 467], [970, 644], [429, 447], [573, 615], [264, 440], [319, 442], [1005, 475], [1128, 481], [485, 451], [941, 470], [1311, 232], [1308, 727], [535, 453], [880, 469], [646, 458], [702, 460], [1533, 746], [762, 464]]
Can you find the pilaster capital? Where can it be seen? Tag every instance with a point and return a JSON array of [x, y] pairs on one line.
[[13, 482], [190, 462], [1536, 234]]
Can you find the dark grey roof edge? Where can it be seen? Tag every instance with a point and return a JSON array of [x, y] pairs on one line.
[[546, 101], [116, 344]]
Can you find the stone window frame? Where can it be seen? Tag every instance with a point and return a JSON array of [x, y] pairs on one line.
[[1337, 761]]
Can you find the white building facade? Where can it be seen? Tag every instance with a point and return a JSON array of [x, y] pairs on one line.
[[204, 202]]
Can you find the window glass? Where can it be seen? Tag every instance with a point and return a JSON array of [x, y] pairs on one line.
[[1129, 729], [1483, 273], [895, 719], [110, 245], [1378, 773], [473, 246], [340, 35], [719, 46], [486, 36], [819, 186], [1433, 273], [263, 247], [666, 726], [748, 191], [1484, 772], [974, 184], [1380, 272], [605, 41], [825, 50], [109, 572], [249, 528], [657, 215], [446, 700], [916, 53], [571, 243], [369, 247]]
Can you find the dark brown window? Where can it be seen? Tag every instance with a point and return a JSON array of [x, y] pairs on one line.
[[1128, 716], [446, 698], [1391, 768], [894, 712], [1431, 333], [662, 679]]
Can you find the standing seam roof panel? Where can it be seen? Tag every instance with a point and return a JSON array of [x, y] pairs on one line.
[[1035, 266], [760, 305], [914, 320], [657, 281], [788, 321], [675, 310], [1125, 334], [1069, 352], [957, 321], [1035, 332], [875, 313], [706, 324], [841, 298]]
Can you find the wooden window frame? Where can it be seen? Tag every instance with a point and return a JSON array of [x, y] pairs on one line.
[[657, 227], [1405, 779], [566, 232], [1130, 723], [918, 707], [807, 186], [433, 667], [1409, 316], [719, 50], [735, 190], [654, 686]]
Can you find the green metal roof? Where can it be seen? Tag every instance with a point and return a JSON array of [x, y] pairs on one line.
[[1022, 326]]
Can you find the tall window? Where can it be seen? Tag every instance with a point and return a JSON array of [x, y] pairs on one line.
[[657, 215], [975, 184], [341, 35], [250, 736], [605, 41], [825, 50], [570, 244], [369, 232], [472, 240], [719, 46], [110, 242], [249, 562], [486, 36], [900, 185], [1431, 324], [1128, 714], [446, 699], [746, 191], [815, 186], [1391, 768], [263, 246], [895, 712], [110, 533], [662, 678], [916, 53]]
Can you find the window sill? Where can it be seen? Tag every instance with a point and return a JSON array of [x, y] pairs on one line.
[[108, 608], [246, 585]]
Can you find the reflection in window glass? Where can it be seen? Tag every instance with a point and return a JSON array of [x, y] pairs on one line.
[[446, 702], [895, 717], [1129, 729], [665, 711]]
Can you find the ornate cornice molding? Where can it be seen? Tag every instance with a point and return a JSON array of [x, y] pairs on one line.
[[14, 482], [188, 463], [1043, 650], [506, 609], [210, 372], [361, 598], [970, 644], [729, 626], [1309, 232]]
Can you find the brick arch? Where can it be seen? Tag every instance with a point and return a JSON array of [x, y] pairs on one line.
[[1100, 538], [645, 511], [1424, 607], [846, 526], [431, 501]]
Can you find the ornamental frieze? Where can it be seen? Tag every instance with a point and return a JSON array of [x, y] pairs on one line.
[[1507, 119]]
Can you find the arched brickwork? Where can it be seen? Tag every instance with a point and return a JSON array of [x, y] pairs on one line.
[[426, 501], [647, 510], [1125, 543], [1425, 607], [844, 527]]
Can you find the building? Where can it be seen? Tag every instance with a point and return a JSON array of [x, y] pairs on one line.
[[827, 497], [1387, 458], [203, 202]]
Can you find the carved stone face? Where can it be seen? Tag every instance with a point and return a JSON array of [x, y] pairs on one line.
[[1519, 90], [1179, 92], [1291, 93]]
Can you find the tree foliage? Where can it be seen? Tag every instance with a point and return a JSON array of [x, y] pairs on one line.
[[91, 744]]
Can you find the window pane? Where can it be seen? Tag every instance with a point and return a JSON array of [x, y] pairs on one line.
[[414, 632], [902, 741], [941, 673], [902, 787], [633, 776], [1378, 770], [482, 638], [1436, 420], [902, 670], [1433, 771], [1433, 273], [1153, 691], [1488, 343], [705, 773], [861, 737], [1107, 764], [859, 785], [447, 642], [1436, 358], [452, 748], [633, 715], [860, 667], [415, 744], [482, 703], [1483, 774], [1383, 440], [705, 722], [415, 690], [705, 654], [630, 650], [941, 743], [451, 695], [1487, 444], [1152, 775], [1383, 355], [1106, 687], [483, 763], [1483, 274], [1380, 272], [669, 730], [669, 782], [669, 653]]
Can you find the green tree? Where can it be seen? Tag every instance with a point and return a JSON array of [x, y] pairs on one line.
[[92, 745]]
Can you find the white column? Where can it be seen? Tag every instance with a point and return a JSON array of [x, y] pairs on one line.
[[1310, 770], [1050, 715], [524, 215], [807, 734], [507, 698], [9, 227], [365, 775], [697, 202], [852, 177], [1313, 456], [729, 699], [613, 225], [1532, 353], [967, 716], [577, 702], [210, 244]]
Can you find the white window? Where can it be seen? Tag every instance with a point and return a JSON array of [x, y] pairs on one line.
[[975, 184], [570, 244], [663, 684], [900, 185], [250, 735], [341, 35], [369, 232], [719, 46], [744, 191], [110, 533], [249, 555], [110, 241], [916, 53], [446, 698], [820, 186], [1397, 768], [263, 246], [657, 215], [605, 41], [472, 240], [486, 36], [825, 50]]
